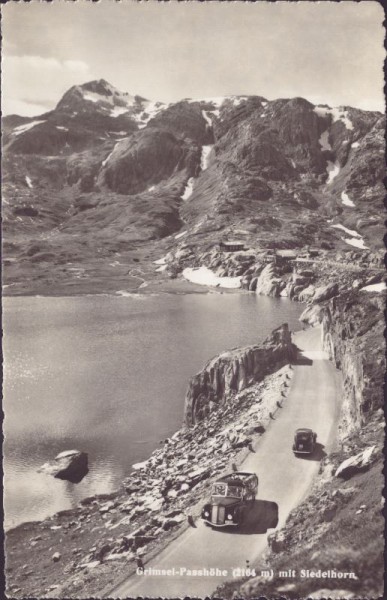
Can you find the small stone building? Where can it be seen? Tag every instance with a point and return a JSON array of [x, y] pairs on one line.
[[285, 256], [231, 246]]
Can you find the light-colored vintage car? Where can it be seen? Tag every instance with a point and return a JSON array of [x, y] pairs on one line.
[[229, 496]]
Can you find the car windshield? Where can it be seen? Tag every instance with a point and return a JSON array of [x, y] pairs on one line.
[[234, 491], [219, 489], [231, 491]]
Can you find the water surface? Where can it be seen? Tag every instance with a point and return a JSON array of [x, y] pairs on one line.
[[108, 375]]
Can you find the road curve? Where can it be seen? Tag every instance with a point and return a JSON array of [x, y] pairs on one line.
[[284, 480]]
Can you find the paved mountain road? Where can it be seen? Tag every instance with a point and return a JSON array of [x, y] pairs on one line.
[[284, 480]]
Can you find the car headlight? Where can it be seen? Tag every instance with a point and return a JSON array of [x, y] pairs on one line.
[[206, 513], [229, 517]]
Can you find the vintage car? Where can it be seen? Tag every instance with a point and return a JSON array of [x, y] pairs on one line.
[[229, 497], [304, 441]]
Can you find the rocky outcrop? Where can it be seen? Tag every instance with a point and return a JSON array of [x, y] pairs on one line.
[[325, 292], [352, 330], [70, 465], [312, 315], [269, 283], [235, 370], [356, 464]]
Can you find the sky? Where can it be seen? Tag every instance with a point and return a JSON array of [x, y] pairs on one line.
[[327, 52]]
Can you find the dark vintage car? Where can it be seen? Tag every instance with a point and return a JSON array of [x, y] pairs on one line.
[[304, 441], [229, 497]]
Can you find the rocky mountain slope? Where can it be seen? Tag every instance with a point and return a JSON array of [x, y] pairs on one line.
[[107, 179]]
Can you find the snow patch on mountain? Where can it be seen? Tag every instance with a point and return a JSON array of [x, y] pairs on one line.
[[150, 109], [204, 157], [160, 261], [109, 155], [333, 169], [188, 189], [118, 110], [217, 100], [374, 287], [61, 128], [22, 128], [120, 103], [113, 96], [29, 182], [179, 235], [206, 117], [346, 200], [236, 100], [92, 97], [204, 276], [338, 114], [349, 231], [355, 145], [358, 243], [324, 141], [356, 239], [161, 268]]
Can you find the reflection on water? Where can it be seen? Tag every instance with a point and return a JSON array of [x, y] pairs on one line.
[[108, 375]]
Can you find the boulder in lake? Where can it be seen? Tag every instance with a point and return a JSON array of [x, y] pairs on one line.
[[70, 465]]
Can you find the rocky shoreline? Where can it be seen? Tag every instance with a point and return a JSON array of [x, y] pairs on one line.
[[90, 547]]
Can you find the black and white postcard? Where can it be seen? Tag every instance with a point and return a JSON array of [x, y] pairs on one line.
[[193, 295]]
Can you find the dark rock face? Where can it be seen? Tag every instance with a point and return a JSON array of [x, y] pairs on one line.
[[148, 157], [235, 370], [353, 337], [184, 120], [71, 465], [326, 292]]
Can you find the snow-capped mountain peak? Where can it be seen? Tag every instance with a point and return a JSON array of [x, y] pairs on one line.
[[102, 97], [98, 96]]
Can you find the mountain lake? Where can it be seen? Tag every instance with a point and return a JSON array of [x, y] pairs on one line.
[[108, 375]]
